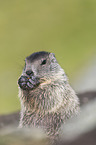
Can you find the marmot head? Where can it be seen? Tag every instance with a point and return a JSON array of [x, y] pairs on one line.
[[39, 67]]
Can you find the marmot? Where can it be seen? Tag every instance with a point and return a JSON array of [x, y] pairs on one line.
[[47, 99]]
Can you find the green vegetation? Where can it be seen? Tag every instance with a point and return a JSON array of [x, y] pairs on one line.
[[65, 27]]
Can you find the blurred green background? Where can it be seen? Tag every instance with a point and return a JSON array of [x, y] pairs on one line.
[[65, 27]]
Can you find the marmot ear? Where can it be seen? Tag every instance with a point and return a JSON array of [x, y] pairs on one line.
[[52, 57]]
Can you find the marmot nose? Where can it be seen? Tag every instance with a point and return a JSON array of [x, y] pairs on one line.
[[29, 72]]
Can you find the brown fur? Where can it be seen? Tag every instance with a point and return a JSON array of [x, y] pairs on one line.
[[52, 102]]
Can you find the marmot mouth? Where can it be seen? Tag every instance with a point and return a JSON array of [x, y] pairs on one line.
[[28, 83]]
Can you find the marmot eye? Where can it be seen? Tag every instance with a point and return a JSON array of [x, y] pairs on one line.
[[43, 62]]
